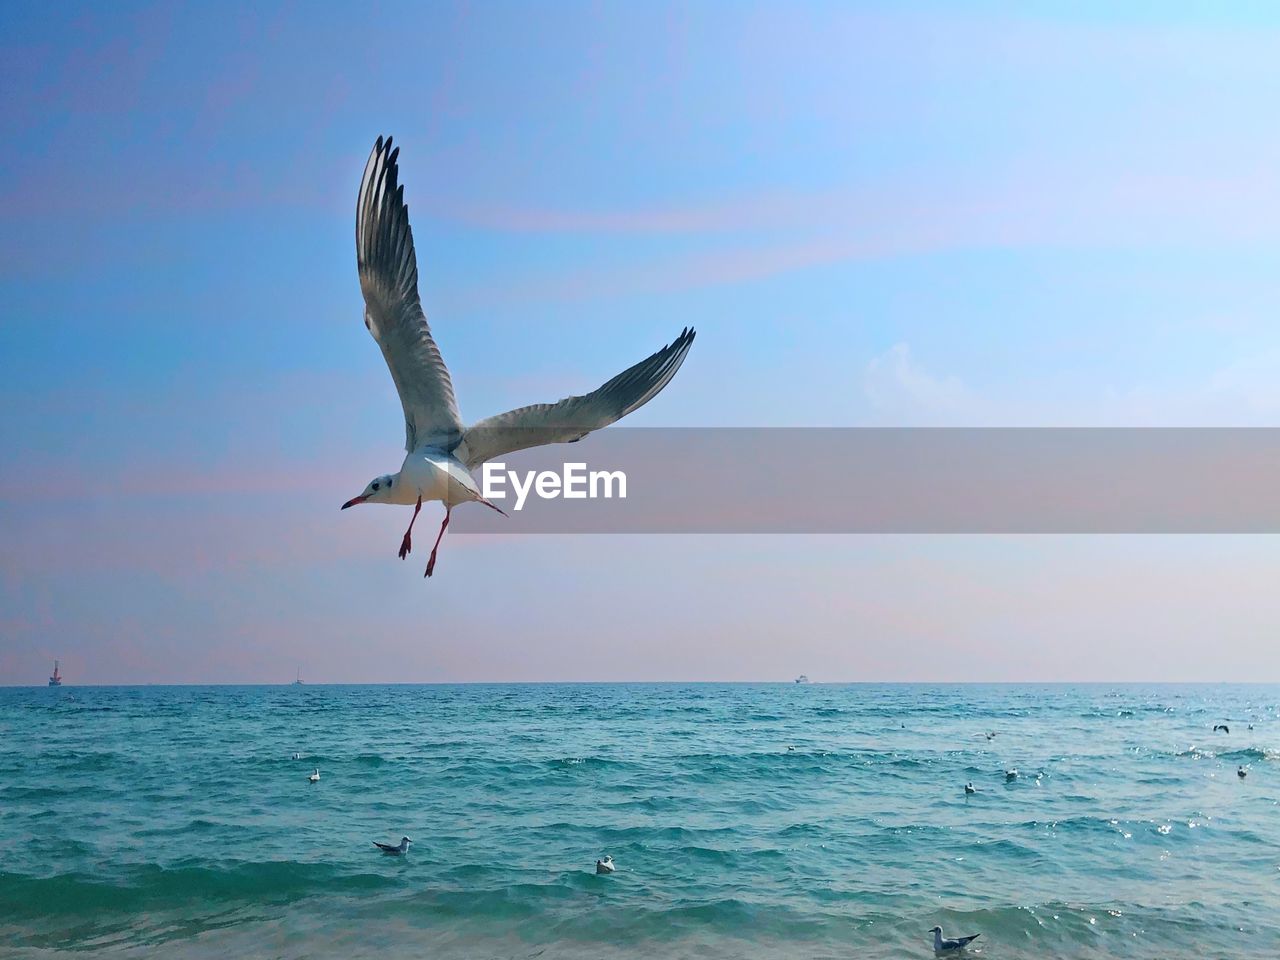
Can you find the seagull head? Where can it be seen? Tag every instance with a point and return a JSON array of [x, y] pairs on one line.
[[936, 930], [405, 840], [378, 490]]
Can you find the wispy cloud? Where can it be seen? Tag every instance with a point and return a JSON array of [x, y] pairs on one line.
[[752, 239], [901, 389]]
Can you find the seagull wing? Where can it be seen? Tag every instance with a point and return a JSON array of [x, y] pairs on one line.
[[385, 846], [574, 417], [393, 312], [965, 941]]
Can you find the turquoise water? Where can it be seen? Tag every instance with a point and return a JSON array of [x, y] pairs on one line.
[[174, 822]]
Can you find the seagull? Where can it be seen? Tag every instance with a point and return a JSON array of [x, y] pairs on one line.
[[1242, 773], [605, 865], [991, 735], [441, 451], [943, 945], [1221, 726], [297, 756], [1010, 776], [397, 850], [970, 788], [315, 777]]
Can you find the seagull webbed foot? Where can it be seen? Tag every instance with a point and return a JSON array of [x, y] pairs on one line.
[[406, 546]]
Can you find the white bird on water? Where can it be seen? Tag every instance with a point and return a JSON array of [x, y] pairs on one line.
[[605, 865], [441, 451], [315, 777], [942, 945]]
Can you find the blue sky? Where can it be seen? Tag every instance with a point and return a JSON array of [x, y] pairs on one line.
[[875, 214]]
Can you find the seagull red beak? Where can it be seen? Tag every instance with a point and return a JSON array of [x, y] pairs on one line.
[[352, 502]]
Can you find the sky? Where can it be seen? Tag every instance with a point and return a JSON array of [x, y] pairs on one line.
[[875, 214]]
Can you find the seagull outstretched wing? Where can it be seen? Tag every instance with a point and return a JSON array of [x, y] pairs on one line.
[[393, 312], [573, 418]]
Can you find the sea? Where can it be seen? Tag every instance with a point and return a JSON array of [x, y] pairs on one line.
[[746, 821]]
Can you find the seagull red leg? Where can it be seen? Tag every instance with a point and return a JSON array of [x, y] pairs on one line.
[[407, 543], [431, 563]]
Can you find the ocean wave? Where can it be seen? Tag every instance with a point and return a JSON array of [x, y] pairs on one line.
[[16, 794], [88, 762], [587, 763], [1248, 754], [665, 837], [149, 887], [651, 804], [191, 827]]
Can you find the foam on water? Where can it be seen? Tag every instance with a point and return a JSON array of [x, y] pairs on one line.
[[138, 818]]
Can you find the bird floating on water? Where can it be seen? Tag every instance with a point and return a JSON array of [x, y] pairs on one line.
[[297, 756], [441, 451], [399, 848], [605, 865], [1242, 773], [942, 945], [970, 788], [1010, 775], [315, 777]]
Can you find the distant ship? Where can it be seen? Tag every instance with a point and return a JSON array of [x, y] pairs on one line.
[[298, 681], [802, 679], [56, 679]]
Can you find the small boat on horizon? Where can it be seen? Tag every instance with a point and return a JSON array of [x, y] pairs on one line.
[[802, 679], [298, 680], [56, 679]]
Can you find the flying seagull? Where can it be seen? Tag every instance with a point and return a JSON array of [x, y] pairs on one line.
[[399, 848], [942, 945], [441, 452]]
